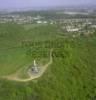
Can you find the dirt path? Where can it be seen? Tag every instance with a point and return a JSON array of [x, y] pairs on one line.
[[31, 76]]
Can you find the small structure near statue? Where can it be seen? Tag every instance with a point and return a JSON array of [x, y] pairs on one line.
[[35, 68]]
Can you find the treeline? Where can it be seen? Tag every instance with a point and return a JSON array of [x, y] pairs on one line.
[[56, 43]]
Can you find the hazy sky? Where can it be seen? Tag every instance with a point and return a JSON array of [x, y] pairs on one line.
[[42, 3]]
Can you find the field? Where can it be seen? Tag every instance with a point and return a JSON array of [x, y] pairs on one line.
[[71, 76]]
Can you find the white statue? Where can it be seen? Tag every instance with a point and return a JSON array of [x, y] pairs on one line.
[[35, 63], [35, 68]]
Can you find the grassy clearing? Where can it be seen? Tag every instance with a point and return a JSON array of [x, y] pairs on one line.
[[31, 26], [12, 55]]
